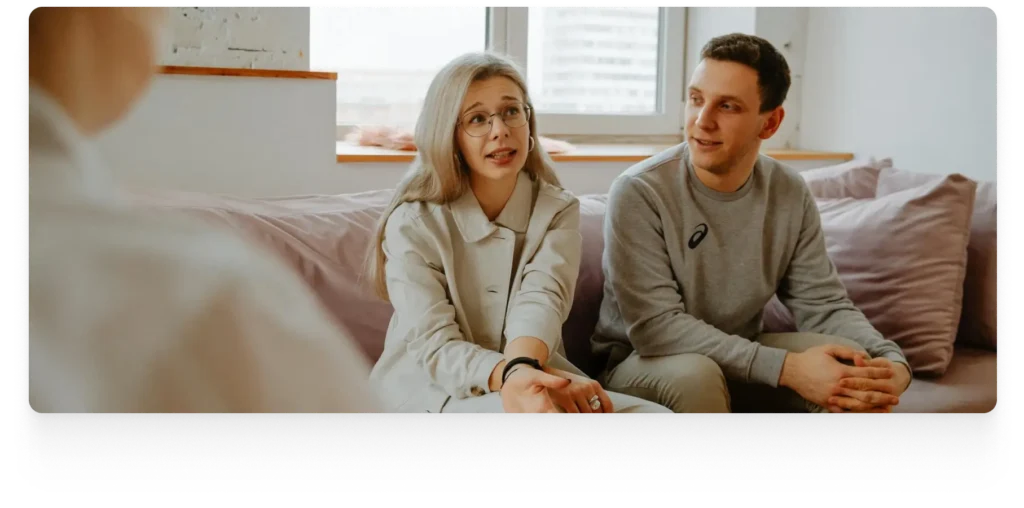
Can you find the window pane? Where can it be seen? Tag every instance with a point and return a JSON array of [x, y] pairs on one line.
[[385, 57], [596, 60]]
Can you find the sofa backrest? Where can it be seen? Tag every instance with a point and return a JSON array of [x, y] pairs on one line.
[[324, 238]]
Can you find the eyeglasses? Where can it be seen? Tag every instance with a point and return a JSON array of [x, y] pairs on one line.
[[478, 124]]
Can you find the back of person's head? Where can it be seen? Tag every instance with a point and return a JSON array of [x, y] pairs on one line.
[[758, 54], [94, 62], [439, 173]]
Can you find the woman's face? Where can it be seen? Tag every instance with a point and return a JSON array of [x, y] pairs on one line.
[[494, 130]]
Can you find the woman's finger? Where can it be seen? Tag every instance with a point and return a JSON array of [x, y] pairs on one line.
[[606, 401], [563, 401], [582, 399]]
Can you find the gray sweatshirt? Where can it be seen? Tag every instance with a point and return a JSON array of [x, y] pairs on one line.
[[689, 269]]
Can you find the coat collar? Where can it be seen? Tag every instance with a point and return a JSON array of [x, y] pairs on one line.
[[473, 223]]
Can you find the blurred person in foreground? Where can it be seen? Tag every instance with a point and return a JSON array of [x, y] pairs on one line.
[[139, 312]]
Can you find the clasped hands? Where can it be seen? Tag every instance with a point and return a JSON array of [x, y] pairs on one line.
[[528, 390], [869, 385]]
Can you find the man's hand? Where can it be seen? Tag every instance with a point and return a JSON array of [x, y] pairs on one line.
[[858, 394], [815, 374], [575, 397]]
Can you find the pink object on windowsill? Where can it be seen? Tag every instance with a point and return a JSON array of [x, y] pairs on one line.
[[400, 139]]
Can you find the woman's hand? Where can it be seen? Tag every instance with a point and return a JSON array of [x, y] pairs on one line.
[[578, 394], [528, 390]]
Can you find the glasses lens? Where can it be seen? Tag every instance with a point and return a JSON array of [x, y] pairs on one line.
[[479, 124]]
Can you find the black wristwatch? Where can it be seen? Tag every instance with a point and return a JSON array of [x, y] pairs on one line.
[[519, 361]]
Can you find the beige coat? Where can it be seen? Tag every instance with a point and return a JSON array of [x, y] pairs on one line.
[[462, 287], [132, 311]]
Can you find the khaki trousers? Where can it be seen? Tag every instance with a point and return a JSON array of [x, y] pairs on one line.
[[694, 383]]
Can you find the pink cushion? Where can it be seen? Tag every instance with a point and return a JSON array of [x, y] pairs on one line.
[[978, 323], [324, 238], [902, 258], [853, 179]]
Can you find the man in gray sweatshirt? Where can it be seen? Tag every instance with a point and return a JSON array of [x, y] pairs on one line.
[[697, 241]]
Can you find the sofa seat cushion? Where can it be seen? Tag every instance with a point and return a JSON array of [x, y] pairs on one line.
[[968, 386]]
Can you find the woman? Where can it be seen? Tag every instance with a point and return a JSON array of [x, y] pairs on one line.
[[479, 254]]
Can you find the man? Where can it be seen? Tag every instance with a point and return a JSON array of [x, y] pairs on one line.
[[147, 312], [697, 241]]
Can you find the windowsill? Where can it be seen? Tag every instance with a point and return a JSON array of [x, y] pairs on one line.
[[244, 73], [348, 153]]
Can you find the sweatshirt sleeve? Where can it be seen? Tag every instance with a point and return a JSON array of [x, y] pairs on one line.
[[650, 298], [813, 292]]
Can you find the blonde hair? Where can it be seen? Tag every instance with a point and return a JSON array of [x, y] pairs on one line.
[[439, 174]]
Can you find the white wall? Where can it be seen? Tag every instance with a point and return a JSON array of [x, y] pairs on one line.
[[235, 135], [578, 177], [915, 84], [784, 27]]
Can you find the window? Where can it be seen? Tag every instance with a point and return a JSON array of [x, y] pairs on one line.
[[613, 71], [385, 57]]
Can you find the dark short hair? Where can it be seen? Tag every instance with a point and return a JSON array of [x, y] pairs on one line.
[[758, 54]]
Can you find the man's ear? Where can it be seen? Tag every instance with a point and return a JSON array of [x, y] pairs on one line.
[[773, 123]]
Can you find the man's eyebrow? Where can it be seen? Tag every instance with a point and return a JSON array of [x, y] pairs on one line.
[[722, 97]]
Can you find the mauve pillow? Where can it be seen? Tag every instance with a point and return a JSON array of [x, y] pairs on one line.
[[853, 179], [902, 259], [586, 305], [323, 237], [978, 323]]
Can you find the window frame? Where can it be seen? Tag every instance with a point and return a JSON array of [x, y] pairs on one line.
[[507, 32]]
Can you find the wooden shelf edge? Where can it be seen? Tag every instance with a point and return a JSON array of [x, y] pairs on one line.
[[247, 73], [782, 155]]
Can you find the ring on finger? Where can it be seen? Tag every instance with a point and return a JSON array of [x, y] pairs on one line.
[[595, 402]]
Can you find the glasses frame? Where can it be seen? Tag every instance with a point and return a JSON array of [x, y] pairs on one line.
[[490, 120]]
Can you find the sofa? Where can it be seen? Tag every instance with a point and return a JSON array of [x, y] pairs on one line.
[[325, 237]]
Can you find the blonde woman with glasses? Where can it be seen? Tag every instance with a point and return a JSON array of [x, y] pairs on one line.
[[479, 253]]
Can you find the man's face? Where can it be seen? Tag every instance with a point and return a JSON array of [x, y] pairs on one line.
[[724, 127]]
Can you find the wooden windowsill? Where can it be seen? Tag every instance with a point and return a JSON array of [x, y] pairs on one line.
[[247, 73], [348, 153]]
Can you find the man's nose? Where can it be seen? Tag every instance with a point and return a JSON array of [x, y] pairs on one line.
[[706, 119]]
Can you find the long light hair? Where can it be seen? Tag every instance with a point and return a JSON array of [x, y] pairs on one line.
[[439, 174]]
